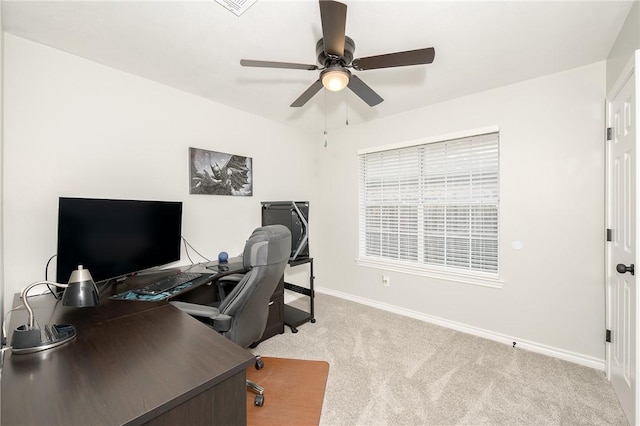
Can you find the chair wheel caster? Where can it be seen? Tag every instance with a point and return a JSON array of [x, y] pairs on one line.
[[259, 401], [312, 320], [259, 364]]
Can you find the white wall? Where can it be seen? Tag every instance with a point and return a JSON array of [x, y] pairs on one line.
[[552, 200], [623, 49], [77, 128]]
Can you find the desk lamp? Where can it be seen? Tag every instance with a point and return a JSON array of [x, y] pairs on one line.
[[80, 292]]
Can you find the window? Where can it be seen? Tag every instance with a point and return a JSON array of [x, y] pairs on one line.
[[433, 206]]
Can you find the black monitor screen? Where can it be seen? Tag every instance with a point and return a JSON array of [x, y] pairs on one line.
[[114, 238]]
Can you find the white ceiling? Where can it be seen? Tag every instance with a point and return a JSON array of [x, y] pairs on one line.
[[196, 46]]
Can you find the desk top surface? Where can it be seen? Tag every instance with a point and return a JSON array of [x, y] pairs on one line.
[[130, 362]]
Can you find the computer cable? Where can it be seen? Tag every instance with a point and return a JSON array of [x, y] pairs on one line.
[[187, 245], [46, 273]]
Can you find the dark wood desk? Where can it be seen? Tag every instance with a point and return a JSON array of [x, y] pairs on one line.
[[131, 363]]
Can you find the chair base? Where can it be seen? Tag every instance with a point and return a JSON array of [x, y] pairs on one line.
[[256, 388], [259, 390]]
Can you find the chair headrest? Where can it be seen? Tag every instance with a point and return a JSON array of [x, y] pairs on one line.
[[267, 245]]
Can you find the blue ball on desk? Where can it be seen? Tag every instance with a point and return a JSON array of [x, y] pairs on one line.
[[223, 256]]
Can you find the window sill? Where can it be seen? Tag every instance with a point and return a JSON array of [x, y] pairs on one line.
[[431, 272]]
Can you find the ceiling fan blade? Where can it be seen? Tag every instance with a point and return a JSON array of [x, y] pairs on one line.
[[334, 18], [365, 92], [398, 59], [308, 94], [271, 64]]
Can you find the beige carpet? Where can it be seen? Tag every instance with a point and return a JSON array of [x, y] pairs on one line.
[[294, 392], [387, 369]]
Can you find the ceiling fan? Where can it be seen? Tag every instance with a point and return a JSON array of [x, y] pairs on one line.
[[335, 56]]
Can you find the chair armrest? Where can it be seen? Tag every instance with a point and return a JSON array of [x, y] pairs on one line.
[[226, 283], [220, 322], [232, 278], [197, 310]]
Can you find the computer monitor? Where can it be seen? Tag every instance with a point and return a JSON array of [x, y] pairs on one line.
[[116, 238]]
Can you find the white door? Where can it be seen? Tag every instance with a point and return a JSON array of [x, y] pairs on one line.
[[621, 250]]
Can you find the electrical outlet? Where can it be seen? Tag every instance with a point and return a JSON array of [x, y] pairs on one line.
[[385, 280]]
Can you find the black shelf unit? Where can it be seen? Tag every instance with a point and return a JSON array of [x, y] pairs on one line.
[[275, 321], [294, 317]]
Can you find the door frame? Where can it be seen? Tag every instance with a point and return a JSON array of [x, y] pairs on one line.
[[628, 72]]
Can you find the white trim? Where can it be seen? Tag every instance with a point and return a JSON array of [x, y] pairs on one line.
[[626, 73], [431, 139], [562, 354], [432, 272], [636, 389]]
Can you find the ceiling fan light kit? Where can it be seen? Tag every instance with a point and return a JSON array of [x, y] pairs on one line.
[[335, 78], [335, 55]]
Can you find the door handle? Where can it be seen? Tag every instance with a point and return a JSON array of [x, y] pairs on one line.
[[621, 268]]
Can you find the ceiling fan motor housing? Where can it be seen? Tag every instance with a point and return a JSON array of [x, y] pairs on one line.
[[328, 60]]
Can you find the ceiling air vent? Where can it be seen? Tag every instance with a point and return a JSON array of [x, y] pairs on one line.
[[237, 6]]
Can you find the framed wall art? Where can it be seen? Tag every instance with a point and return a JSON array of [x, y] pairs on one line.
[[219, 173]]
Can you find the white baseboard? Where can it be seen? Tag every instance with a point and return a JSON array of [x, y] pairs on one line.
[[290, 296], [598, 364]]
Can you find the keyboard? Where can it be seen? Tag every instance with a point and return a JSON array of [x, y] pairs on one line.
[[166, 284]]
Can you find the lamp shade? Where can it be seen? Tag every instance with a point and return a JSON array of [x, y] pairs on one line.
[[81, 290], [335, 78]]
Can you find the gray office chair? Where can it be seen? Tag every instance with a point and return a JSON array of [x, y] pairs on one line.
[[242, 315]]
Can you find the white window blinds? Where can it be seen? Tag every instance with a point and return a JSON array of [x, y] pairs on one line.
[[434, 204]]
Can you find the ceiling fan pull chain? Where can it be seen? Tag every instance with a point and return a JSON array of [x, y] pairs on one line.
[[346, 95], [325, 119]]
